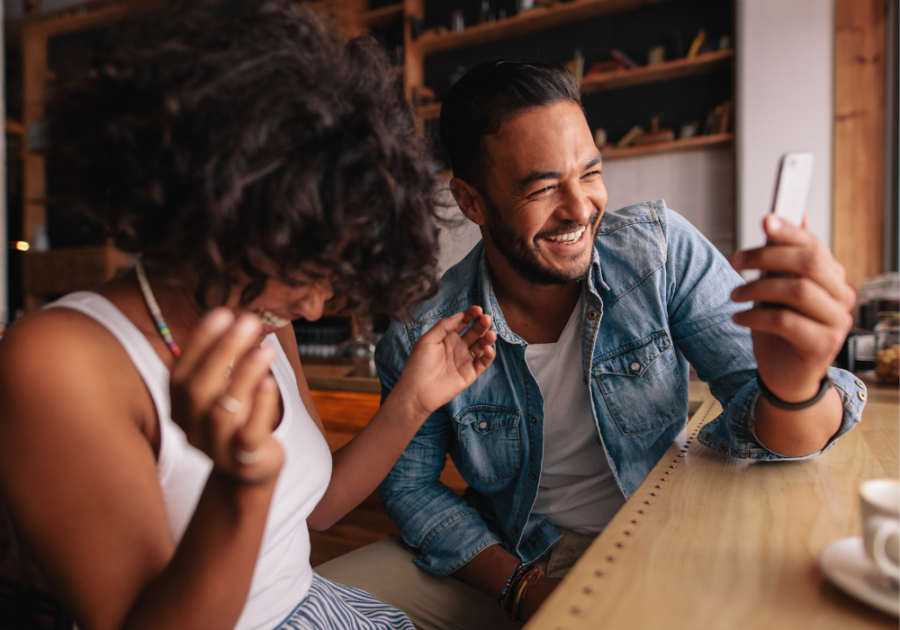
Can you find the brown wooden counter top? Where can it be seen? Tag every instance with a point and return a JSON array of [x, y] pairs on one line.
[[726, 543]]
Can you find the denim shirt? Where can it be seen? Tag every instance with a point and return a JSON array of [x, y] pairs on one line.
[[657, 297]]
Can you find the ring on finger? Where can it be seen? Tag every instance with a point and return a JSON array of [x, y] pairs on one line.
[[248, 458], [229, 403]]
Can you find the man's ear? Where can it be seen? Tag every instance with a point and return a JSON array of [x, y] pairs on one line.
[[468, 199]]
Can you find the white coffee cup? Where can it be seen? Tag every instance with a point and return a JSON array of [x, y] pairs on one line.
[[880, 503]]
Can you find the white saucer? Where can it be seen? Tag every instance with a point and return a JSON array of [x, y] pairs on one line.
[[846, 564]]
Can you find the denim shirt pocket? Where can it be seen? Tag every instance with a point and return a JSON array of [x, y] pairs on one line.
[[488, 437], [637, 381]]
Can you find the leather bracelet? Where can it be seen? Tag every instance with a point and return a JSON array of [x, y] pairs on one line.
[[824, 385]]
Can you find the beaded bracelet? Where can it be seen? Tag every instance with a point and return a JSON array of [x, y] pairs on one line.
[[513, 577], [526, 581]]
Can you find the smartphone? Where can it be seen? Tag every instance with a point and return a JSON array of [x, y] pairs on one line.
[[791, 190], [792, 187]]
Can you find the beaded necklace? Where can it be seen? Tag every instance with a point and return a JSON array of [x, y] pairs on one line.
[[153, 307]]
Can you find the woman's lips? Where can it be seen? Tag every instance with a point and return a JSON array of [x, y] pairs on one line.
[[270, 319]]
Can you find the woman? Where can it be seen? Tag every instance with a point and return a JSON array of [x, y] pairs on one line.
[[164, 458]]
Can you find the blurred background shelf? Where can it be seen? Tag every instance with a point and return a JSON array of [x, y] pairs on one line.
[[668, 147], [381, 17], [665, 71], [537, 19]]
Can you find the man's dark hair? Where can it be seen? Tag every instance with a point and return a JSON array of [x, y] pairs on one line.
[[217, 147], [487, 97]]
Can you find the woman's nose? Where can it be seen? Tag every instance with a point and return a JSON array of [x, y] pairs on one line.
[[311, 305]]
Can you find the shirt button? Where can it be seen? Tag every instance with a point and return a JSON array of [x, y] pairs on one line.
[[482, 425], [862, 395], [516, 529], [592, 315], [533, 476], [724, 447], [635, 366], [859, 384], [707, 437], [534, 543], [534, 420]]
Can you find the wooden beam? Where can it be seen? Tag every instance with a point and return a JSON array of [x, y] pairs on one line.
[[858, 220]]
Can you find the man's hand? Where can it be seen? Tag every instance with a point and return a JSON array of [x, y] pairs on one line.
[[537, 595], [794, 346]]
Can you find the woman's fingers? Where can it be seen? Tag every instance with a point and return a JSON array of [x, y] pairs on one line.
[[250, 442], [246, 377], [208, 377], [207, 332], [477, 330]]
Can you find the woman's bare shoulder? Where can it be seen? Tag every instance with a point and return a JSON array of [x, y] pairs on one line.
[[54, 338], [61, 350]]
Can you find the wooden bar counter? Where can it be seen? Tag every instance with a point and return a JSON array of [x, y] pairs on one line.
[[712, 542]]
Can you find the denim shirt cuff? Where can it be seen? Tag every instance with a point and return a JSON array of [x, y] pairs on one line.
[[734, 431], [454, 542]]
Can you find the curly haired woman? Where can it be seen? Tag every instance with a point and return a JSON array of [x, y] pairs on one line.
[[159, 447]]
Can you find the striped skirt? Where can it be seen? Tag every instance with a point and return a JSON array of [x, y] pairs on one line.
[[333, 606]]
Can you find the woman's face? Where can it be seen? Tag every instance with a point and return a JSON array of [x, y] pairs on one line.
[[280, 302]]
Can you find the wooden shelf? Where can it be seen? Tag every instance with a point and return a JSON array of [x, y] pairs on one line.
[[699, 142], [535, 20], [379, 18], [665, 71]]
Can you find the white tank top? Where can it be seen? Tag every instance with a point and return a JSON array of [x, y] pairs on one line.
[[283, 573]]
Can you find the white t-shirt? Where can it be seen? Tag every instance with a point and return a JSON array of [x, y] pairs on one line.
[[577, 489]]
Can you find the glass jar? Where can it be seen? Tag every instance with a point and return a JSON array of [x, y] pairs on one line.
[[887, 347]]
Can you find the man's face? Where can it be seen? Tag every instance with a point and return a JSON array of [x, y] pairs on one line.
[[544, 193]]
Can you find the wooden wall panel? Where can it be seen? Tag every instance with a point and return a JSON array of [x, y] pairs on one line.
[[859, 137]]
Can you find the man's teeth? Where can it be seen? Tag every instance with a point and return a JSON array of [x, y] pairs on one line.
[[569, 237], [270, 320]]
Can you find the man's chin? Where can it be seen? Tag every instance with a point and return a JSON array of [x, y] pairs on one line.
[[533, 271]]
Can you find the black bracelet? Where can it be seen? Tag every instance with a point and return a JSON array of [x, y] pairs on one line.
[[824, 385]]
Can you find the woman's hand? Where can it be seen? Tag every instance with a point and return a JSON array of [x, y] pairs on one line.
[[444, 361], [230, 417]]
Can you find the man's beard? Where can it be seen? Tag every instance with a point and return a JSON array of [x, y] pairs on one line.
[[524, 258]]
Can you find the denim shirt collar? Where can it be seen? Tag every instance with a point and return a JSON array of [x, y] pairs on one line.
[[489, 298]]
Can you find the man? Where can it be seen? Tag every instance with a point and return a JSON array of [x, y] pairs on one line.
[[598, 316]]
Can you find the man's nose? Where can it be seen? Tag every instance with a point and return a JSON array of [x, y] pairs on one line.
[[577, 205]]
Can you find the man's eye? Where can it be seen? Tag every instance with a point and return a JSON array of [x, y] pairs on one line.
[[592, 175], [540, 193]]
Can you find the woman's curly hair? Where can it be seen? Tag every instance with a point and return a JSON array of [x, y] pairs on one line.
[[215, 148]]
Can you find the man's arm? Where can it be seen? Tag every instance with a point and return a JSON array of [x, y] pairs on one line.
[[795, 345], [704, 324], [445, 529]]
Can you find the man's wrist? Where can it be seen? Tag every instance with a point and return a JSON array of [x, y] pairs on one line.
[[794, 405]]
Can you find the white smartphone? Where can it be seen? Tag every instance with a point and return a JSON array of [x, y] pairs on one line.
[[791, 190], [792, 187]]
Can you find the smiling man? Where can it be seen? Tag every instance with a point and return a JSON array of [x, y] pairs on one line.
[[598, 316]]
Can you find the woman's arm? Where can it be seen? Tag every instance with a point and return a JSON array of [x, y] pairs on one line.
[[79, 476], [443, 363]]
